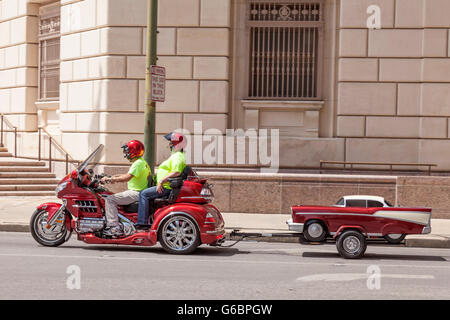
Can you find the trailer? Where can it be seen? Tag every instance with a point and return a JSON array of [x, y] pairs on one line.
[[351, 224]]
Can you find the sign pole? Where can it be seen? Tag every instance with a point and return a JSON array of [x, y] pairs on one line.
[[150, 105]]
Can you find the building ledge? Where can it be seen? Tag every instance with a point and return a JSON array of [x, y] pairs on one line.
[[47, 105], [282, 104]]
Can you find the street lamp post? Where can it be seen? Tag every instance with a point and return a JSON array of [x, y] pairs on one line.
[[150, 106]]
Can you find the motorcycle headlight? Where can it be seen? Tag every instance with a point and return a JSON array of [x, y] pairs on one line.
[[61, 187]]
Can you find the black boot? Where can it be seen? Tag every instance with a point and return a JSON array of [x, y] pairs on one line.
[[142, 227]]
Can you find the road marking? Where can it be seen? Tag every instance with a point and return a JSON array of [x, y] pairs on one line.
[[211, 260], [341, 277]]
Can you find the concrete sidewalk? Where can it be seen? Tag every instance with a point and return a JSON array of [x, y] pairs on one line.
[[15, 213]]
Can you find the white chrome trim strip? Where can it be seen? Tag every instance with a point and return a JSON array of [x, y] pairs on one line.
[[368, 234], [419, 217]]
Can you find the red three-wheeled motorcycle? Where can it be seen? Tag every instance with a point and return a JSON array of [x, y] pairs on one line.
[[182, 221]]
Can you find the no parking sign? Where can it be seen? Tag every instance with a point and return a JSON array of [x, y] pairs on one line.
[[158, 83]]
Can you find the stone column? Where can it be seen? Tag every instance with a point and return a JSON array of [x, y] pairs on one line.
[[19, 62], [101, 41]]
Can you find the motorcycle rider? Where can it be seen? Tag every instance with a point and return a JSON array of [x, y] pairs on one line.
[[137, 181], [171, 168]]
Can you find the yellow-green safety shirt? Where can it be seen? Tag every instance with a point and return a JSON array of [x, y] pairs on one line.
[[175, 163], [140, 171]]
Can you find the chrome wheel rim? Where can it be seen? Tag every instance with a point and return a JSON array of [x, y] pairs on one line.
[[53, 234], [179, 233], [351, 244], [395, 236], [315, 230]]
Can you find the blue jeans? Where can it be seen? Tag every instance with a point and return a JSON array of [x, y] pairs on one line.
[[145, 197]]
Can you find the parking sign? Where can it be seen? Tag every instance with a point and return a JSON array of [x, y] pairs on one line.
[[158, 75]]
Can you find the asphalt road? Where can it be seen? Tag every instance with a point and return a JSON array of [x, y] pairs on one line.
[[249, 270]]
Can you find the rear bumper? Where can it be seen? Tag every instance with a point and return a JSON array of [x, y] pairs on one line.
[[294, 226], [426, 229], [212, 237]]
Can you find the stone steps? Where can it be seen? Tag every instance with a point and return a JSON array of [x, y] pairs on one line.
[[22, 181], [5, 155], [23, 169], [33, 187], [3, 149], [26, 193], [27, 175], [17, 163], [20, 177]]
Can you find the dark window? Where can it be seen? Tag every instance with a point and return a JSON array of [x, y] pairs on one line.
[[340, 202], [49, 52], [374, 204], [356, 203], [285, 49]]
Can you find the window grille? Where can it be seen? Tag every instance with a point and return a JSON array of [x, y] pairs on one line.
[[49, 52], [285, 44]]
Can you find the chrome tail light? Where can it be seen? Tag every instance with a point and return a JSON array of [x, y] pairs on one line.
[[207, 193]]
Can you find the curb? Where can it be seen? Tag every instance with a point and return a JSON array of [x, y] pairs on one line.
[[14, 227], [442, 243]]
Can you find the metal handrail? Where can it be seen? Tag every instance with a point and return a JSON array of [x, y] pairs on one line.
[[390, 164], [52, 141], [10, 125]]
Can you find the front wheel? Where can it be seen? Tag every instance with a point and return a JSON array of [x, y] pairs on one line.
[[179, 235], [52, 237], [351, 244], [315, 231]]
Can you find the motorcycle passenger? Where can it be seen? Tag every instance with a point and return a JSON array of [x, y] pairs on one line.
[[137, 181], [171, 168]]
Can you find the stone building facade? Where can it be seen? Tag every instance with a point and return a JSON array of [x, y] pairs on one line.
[[335, 89]]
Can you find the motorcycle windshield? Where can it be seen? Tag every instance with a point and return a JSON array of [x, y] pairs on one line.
[[89, 159]]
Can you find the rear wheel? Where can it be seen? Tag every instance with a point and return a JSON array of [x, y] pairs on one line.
[[49, 237], [395, 238], [179, 235], [351, 244], [315, 231]]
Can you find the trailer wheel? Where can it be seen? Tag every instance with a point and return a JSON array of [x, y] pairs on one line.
[[394, 238], [351, 244], [315, 231]]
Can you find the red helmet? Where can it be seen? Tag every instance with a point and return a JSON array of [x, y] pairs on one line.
[[133, 149], [177, 140]]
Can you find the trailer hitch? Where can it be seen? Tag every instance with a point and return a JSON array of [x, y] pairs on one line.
[[245, 235]]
